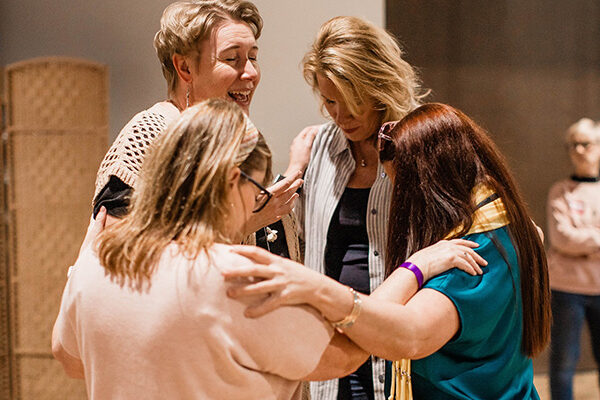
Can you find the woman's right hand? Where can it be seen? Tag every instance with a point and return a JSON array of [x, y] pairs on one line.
[[282, 203], [447, 254]]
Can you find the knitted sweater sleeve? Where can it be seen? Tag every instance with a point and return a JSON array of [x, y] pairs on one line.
[[567, 236], [125, 157]]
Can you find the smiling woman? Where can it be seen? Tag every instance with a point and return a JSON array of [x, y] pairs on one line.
[[225, 66], [207, 49]]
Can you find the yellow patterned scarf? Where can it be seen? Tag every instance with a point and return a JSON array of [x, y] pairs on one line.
[[491, 215]]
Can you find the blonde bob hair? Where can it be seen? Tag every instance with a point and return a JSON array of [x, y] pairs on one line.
[[182, 192], [365, 64], [185, 24], [584, 125]]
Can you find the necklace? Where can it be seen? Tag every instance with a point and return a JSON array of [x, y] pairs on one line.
[[363, 161]]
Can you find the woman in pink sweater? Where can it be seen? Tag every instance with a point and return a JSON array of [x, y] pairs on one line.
[[574, 257]]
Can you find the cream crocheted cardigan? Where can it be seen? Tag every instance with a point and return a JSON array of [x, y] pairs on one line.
[[125, 157]]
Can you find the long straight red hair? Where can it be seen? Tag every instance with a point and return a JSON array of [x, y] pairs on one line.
[[439, 155]]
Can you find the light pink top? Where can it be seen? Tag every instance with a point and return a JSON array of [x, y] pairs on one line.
[[183, 338], [574, 230]]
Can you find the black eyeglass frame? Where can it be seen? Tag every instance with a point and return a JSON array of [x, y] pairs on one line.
[[262, 189]]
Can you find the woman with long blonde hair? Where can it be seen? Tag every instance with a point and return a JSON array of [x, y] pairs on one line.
[[358, 71], [144, 313]]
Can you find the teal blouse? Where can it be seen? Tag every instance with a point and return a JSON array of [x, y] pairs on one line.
[[484, 359]]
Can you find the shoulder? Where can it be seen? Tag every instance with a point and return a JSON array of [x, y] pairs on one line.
[[496, 247], [560, 187], [222, 256], [155, 119], [327, 133]]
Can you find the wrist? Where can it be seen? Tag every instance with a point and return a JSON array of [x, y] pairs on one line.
[[416, 271], [254, 223], [294, 168], [350, 318], [332, 299]]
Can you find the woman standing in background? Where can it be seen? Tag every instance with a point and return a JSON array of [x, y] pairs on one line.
[[574, 256]]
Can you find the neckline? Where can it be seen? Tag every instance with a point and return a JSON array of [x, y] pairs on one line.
[[585, 178]]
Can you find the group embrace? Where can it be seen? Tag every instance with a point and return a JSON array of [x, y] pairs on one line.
[[424, 276]]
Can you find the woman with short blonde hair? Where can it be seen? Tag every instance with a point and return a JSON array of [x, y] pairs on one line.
[[573, 212], [185, 24], [207, 49]]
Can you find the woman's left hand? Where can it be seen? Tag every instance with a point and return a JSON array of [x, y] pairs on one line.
[[284, 281], [447, 254]]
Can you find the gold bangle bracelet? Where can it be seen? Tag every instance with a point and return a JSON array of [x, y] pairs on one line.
[[350, 319]]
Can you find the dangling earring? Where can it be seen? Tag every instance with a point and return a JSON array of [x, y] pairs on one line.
[[187, 97]]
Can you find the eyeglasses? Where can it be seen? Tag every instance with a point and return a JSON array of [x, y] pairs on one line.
[[575, 145], [385, 145], [262, 198]]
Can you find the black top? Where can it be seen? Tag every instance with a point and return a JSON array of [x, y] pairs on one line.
[[585, 178], [347, 249], [115, 197], [347, 261], [279, 245]]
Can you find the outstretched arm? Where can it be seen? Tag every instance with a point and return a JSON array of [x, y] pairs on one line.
[[385, 326]]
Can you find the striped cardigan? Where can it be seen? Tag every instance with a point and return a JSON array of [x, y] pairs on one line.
[[327, 175]]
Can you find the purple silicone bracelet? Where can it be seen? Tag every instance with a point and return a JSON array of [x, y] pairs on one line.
[[415, 270]]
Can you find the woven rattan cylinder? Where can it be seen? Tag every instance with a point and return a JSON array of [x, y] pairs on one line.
[[56, 135], [5, 391]]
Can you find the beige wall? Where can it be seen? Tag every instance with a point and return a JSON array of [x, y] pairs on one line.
[[284, 103], [120, 32]]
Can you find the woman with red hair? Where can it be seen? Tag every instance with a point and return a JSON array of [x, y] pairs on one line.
[[471, 336]]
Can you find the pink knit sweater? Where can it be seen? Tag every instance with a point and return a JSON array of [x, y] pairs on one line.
[[574, 230]]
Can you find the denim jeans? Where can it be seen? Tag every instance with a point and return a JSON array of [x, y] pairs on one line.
[[569, 310]]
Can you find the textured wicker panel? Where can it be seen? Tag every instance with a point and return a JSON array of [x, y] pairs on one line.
[[5, 391], [53, 167], [56, 137], [44, 379], [57, 93], [46, 242]]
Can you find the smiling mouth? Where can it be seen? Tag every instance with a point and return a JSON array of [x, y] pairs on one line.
[[240, 96]]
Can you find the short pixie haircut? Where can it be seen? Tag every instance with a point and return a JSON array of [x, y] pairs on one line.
[[185, 24], [584, 125], [365, 64]]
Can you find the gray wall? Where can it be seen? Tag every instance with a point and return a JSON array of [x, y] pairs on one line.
[[120, 34]]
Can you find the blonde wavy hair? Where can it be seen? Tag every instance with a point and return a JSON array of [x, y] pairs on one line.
[[182, 193], [365, 64], [185, 24]]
